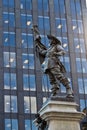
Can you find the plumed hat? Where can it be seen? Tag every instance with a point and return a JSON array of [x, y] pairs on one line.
[[57, 41]]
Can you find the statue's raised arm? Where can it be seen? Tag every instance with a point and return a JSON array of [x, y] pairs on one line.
[[37, 37]]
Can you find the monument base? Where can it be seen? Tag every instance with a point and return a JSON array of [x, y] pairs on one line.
[[61, 114]]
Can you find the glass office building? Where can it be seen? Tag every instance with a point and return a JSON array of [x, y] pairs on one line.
[[23, 87]]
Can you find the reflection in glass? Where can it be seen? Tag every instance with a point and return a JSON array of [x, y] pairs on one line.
[[10, 59], [26, 4], [9, 39], [78, 65], [33, 105], [82, 104], [44, 24], [30, 104], [28, 61], [80, 85], [8, 19], [84, 65], [27, 40], [45, 83], [8, 3], [10, 103], [27, 124], [61, 25], [26, 104], [10, 81], [11, 124], [85, 85], [77, 26], [29, 82], [26, 21]]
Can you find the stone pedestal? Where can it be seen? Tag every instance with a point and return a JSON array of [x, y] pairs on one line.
[[61, 114]]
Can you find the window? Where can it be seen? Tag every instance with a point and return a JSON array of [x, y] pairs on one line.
[[28, 61], [80, 85], [9, 59], [44, 24], [65, 43], [8, 3], [78, 8], [85, 85], [26, 21], [45, 40], [27, 40], [82, 104], [77, 26], [79, 45], [26, 4], [26, 104], [11, 124], [56, 7], [78, 65], [80, 27], [29, 82], [10, 103], [81, 65], [62, 7], [74, 26], [73, 11], [84, 65], [8, 20], [9, 39], [67, 64], [45, 83], [30, 104], [61, 25], [82, 45], [10, 81], [28, 124], [43, 6]]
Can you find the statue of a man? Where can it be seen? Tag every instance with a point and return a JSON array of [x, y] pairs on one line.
[[52, 66]]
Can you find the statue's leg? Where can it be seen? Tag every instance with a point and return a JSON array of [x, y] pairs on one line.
[[54, 84], [59, 76]]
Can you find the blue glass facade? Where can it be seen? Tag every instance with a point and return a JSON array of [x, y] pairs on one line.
[[23, 86]]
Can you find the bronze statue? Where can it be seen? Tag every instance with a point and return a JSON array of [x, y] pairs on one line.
[[51, 64]]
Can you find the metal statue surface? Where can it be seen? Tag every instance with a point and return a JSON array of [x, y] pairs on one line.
[[51, 64]]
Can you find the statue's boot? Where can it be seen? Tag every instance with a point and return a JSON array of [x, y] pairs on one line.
[[69, 92]]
